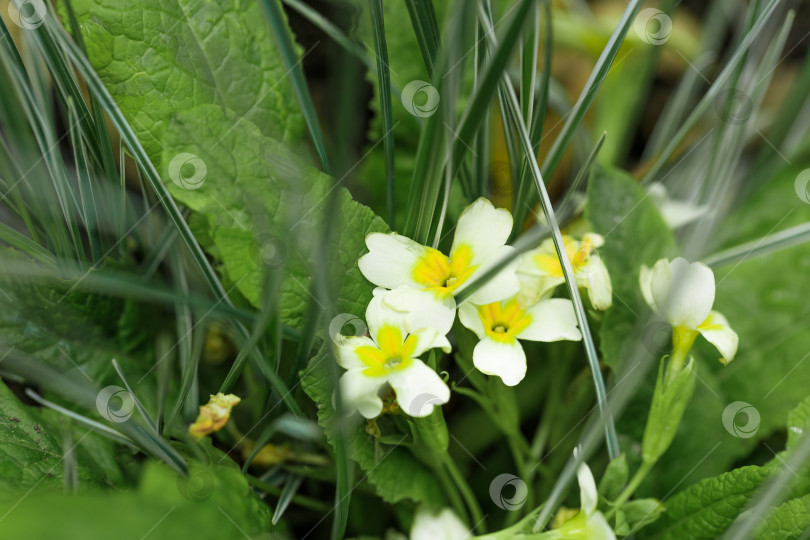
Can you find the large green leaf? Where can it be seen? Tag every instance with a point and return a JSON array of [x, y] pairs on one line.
[[787, 521], [202, 84], [212, 503], [393, 470], [32, 449], [160, 57]]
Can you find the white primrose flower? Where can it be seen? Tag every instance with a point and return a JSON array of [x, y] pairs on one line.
[[442, 526], [389, 358], [423, 280], [540, 270], [500, 325], [683, 294], [589, 523]]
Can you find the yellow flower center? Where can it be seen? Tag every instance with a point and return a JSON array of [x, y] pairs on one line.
[[504, 321], [578, 254], [442, 274], [393, 352]]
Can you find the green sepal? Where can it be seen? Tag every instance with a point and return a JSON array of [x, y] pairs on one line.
[[671, 396]]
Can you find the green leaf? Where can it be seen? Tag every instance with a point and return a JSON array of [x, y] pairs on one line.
[[618, 209], [614, 479], [394, 472], [706, 509], [255, 189], [798, 423], [212, 503], [788, 520], [158, 58], [32, 449], [641, 512]]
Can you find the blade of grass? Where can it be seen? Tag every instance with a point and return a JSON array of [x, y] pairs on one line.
[[281, 33], [384, 82], [138, 405], [423, 20], [568, 271], [586, 97], [766, 245], [291, 487], [714, 90]]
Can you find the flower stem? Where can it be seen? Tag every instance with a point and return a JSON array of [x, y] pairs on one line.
[[466, 492]]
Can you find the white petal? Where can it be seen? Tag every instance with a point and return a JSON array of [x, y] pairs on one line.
[[718, 332], [442, 526], [418, 389], [552, 320], [379, 313], [484, 228], [506, 360], [359, 392], [598, 528], [430, 338], [346, 350], [587, 489], [645, 283], [469, 317], [424, 309], [595, 278], [503, 285], [390, 260], [689, 289]]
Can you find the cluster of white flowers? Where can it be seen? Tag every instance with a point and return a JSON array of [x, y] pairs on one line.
[[414, 308]]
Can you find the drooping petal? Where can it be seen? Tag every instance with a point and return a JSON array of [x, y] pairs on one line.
[[347, 350], [419, 389], [484, 228], [424, 309], [683, 291], [506, 360], [390, 260], [359, 392], [551, 320], [503, 285], [468, 315], [587, 489], [429, 338], [596, 280], [717, 331], [442, 526]]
